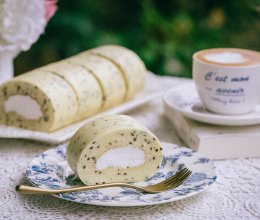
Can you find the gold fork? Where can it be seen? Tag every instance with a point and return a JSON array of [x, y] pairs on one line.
[[170, 183]]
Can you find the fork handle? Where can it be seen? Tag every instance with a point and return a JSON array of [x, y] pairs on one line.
[[24, 189]]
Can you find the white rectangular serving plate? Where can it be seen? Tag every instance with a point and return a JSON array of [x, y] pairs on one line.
[[151, 91]]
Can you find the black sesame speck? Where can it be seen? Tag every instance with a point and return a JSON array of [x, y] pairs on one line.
[[46, 118]]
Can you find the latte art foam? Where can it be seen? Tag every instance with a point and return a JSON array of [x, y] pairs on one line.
[[228, 57], [225, 57]]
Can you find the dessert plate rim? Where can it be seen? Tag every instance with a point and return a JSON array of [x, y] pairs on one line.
[[50, 170]]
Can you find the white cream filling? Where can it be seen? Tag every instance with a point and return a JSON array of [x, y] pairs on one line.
[[225, 57], [24, 106], [121, 157]]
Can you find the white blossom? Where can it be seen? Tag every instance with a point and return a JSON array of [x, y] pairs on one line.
[[21, 23]]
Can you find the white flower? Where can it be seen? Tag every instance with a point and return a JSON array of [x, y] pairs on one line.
[[21, 23]]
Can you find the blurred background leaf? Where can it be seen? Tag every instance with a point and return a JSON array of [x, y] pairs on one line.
[[165, 33]]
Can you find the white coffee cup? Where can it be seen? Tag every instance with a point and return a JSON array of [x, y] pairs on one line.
[[227, 79]]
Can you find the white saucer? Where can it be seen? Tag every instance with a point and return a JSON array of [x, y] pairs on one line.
[[185, 99], [51, 170]]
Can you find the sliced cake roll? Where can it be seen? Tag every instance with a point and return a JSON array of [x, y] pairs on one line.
[[62, 93], [84, 84], [130, 65], [114, 148], [108, 76], [39, 101]]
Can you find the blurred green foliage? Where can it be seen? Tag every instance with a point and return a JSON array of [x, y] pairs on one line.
[[165, 33]]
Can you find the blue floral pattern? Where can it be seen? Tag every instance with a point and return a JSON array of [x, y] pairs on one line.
[[50, 170]]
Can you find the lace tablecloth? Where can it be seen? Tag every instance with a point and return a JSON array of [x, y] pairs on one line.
[[235, 195]]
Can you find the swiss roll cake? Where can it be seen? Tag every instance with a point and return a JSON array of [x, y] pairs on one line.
[[107, 74], [84, 85], [39, 101], [59, 94], [114, 148], [130, 65]]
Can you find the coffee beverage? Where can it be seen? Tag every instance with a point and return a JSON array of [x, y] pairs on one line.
[[227, 79], [228, 57]]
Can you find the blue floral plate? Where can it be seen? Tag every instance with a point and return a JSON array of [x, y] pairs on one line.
[[50, 170]]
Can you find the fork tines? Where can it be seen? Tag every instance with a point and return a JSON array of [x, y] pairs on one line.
[[179, 176]]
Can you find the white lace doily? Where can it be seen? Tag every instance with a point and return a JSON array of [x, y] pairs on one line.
[[236, 194]]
